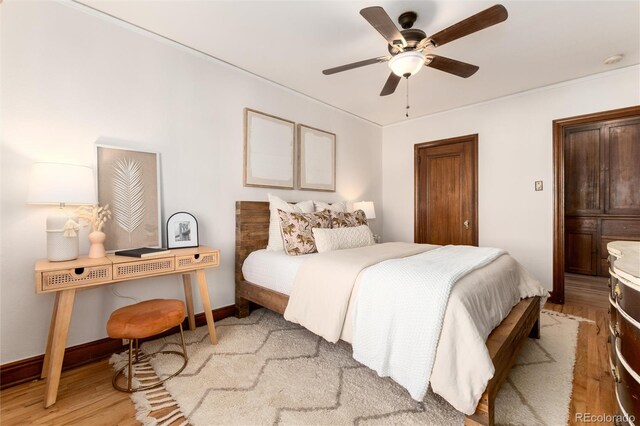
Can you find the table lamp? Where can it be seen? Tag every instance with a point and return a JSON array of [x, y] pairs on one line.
[[367, 207], [61, 184], [369, 211]]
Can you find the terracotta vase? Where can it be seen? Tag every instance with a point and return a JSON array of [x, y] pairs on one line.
[[96, 250]]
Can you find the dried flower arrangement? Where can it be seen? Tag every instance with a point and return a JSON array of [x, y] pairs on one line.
[[94, 215]]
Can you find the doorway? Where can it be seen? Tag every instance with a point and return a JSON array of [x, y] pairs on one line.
[[446, 191], [596, 198]]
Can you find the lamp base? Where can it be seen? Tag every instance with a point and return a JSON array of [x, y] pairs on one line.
[[59, 247]]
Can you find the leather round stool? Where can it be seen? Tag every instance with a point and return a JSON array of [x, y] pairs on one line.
[[142, 320]]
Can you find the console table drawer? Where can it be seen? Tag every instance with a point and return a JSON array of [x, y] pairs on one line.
[[75, 277], [198, 260], [143, 268]]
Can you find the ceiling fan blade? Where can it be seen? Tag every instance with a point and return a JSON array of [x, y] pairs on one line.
[[356, 65], [479, 21], [390, 85], [461, 69], [379, 19]]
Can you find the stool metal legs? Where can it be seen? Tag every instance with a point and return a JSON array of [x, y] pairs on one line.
[[131, 363]]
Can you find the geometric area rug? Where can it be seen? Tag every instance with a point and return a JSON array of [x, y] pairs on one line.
[[265, 370]]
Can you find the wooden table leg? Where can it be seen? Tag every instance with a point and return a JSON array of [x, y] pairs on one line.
[[47, 351], [58, 343], [206, 303], [188, 297]]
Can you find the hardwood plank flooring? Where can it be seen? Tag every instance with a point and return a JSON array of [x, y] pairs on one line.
[[586, 290], [87, 397]]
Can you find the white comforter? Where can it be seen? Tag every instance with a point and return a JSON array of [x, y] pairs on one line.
[[477, 304], [400, 311]]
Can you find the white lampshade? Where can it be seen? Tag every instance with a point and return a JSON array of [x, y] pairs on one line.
[[56, 183], [404, 63], [368, 208]]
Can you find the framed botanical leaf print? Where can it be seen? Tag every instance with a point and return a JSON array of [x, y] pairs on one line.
[[128, 181]]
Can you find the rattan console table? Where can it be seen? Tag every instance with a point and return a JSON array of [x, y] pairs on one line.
[[65, 278]]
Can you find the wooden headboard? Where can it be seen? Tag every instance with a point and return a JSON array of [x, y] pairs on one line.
[[252, 230], [252, 233]]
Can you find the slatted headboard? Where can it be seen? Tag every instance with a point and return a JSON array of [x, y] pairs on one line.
[[252, 233]]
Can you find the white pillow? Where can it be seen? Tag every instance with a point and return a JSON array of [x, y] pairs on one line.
[[342, 238], [340, 206], [275, 236]]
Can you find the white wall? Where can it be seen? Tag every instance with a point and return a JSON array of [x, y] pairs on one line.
[[71, 78], [515, 149]]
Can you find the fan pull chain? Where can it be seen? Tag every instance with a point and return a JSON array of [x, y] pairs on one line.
[[407, 108]]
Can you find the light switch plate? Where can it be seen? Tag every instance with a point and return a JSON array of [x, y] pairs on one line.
[[538, 185]]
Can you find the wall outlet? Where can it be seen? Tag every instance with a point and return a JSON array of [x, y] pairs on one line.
[[125, 342], [538, 185]]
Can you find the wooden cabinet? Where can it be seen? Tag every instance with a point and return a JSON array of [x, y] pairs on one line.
[[602, 191]]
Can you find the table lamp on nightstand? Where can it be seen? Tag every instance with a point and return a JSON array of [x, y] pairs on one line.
[[61, 184], [369, 211]]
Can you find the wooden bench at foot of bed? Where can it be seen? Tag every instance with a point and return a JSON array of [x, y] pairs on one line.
[[504, 342]]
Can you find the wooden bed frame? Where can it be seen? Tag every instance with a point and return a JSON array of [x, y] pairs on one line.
[[504, 343]]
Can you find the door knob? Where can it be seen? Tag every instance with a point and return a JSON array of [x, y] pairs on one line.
[[466, 224]]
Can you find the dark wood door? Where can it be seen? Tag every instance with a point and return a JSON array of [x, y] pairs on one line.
[[446, 191], [622, 167], [583, 179], [581, 243]]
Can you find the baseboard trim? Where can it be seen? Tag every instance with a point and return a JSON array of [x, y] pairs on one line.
[[24, 370]]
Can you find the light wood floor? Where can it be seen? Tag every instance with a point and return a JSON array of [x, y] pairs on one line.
[[86, 395]]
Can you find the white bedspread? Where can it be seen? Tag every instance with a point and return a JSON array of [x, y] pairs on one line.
[[401, 307], [478, 303]]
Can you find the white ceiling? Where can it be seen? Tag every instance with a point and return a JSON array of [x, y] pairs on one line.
[[291, 42]]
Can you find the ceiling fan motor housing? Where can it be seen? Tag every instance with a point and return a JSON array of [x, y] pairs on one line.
[[413, 36], [407, 19]]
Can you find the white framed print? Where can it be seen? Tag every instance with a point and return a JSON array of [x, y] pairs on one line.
[[316, 159], [269, 144], [182, 231]]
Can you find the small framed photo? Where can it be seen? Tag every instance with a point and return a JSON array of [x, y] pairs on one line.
[[182, 231]]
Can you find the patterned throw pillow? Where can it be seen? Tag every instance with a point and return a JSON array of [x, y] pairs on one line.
[[297, 230], [348, 220]]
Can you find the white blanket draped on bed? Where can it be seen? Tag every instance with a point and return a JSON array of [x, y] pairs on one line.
[[400, 311]]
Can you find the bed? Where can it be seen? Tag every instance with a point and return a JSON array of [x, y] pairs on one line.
[[252, 222]]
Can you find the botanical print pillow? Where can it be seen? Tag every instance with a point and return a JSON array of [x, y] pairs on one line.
[[275, 204], [347, 220], [297, 230]]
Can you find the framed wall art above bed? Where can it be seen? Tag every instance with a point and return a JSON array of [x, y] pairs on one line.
[[316, 159], [268, 150]]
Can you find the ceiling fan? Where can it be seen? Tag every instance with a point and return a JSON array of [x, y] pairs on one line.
[[409, 48]]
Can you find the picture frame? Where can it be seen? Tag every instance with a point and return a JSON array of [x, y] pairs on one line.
[[269, 143], [182, 231], [129, 182], [316, 159]]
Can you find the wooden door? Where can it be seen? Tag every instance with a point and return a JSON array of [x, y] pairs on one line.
[[583, 178], [446, 188], [622, 167], [581, 243]]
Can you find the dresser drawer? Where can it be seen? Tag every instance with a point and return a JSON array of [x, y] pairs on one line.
[[628, 345], [143, 268], [197, 261], [627, 298], [628, 390], [74, 277]]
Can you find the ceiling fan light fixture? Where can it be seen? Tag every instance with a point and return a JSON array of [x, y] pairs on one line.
[[407, 63]]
